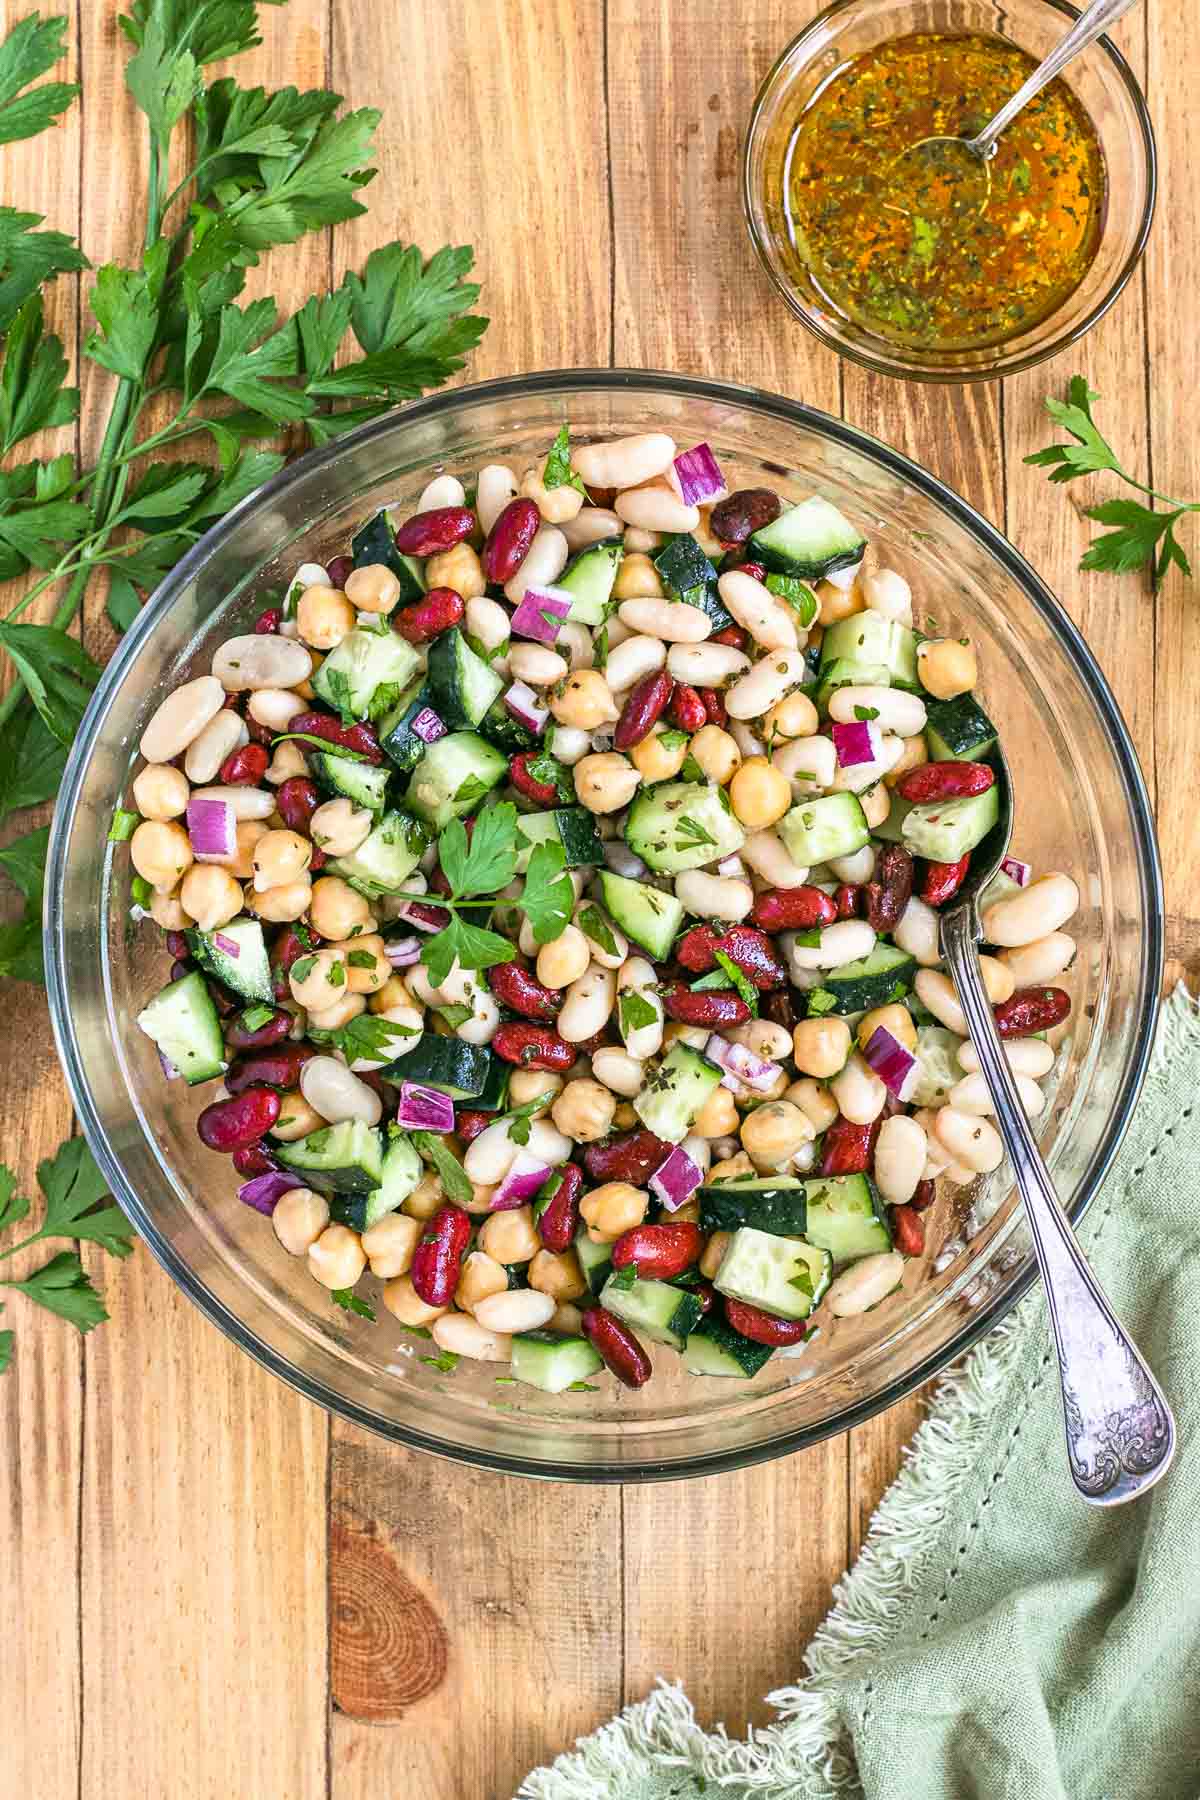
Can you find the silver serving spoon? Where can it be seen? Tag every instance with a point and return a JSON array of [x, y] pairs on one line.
[[1120, 1432], [963, 162]]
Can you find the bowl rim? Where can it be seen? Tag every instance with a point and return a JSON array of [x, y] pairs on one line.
[[542, 384], [1001, 366]]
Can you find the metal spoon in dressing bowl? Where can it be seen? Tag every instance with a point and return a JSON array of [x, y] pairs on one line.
[[956, 169], [1120, 1432]]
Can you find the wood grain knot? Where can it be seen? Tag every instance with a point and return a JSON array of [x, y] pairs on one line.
[[389, 1648]]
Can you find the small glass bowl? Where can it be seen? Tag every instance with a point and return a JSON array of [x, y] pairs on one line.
[[1103, 82]]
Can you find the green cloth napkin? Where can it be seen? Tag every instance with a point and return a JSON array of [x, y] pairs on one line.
[[998, 1637]]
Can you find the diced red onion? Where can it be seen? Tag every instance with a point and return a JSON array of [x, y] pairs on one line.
[[428, 726], [522, 703], [700, 477], [1020, 872], [857, 742], [168, 1067], [741, 1066], [895, 1065], [676, 1180], [541, 614], [229, 945], [402, 953], [521, 1183], [844, 578], [212, 829], [424, 1108], [263, 1192], [732, 866]]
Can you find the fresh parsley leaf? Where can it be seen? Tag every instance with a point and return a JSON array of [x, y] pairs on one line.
[[821, 1001], [123, 826], [75, 1190], [636, 1011], [802, 1279], [489, 861], [691, 770], [124, 602], [593, 925], [692, 832], [63, 1288], [361, 959], [558, 471], [519, 1119], [349, 1301], [455, 1179], [57, 671], [32, 394], [546, 1193], [866, 713], [469, 945], [546, 768], [625, 1278], [582, 1387], [745, 988], [473, 788], [797, 594], [303, 967], [548, 897], [445, 1362], [415, 1331], [13, 1206], [672, 740], [28, 258], [32, 46], [367, 1038], [600, 648], [24, 861], [454, 1015], [31, 760], [7, 1339]]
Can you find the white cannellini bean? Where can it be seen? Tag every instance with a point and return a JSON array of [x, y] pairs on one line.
[[1033, 913], [700, 1151], [443, 490], [857, 777], [462, 1335], [640, 542], [1026, 1056], [897, 711], [766, 853], [746, 740], [754, 606], [900, 1152], [487, 620], [545, 560], [537, 664], [224, 733], [1033, 965], [810, 764], [517, 1309], [770, 1041], [970, 1095], [859, 866], [860, 1094], [971, 1141], [714, 896], [261, 662], [484, 1022], [488, 1158], [672, 620], [705, 665], [863, 1285], [631, 661], [637, 976], [917, 932], [336, 1094], [608, 959], [936, 991], [588, 1004], [180, 718], [574, 641], [619, 1072], [571, 744], [309, 575], [590, 526], [844, 942], [247, 802], [275, 707], [548, 1143], [624, 462], [495, 486], [886, 592], [656, 507], [767, 682]]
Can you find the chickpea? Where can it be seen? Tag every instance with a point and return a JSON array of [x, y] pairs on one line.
[[558, 1274], [210, 895], [557, 505], [161, 792], [821, 1046], [838, 603], [299, 1218], [280, 857], [525, 1085], [340, 1012], [815, 1102], [287, 762], [389, 1244], [161, 853], [460, 569], [563, 960], [509, 1236], [606, 781], [566, 1319], [404, 1303], [296, 1118], [660, 756], [584, 1111], [759, 793], [372, 589], [283, 905], [394, 992], [638, 579], [367, 966], [339, 827], [338, 910], [731, 1167], [718, 1116], [481, 1275], [947, 667], [167, 910], [337, 1259], [583, 699], [324, 616], [713, 1254], [794, 716], [914, 753], [248, 832], [625, 1118], [773, 1133], [613, 1209], [896, 1018], [717, 753], [315, 980], [425, 1198]]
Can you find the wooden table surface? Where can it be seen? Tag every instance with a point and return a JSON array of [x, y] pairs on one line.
[[208, 1587]]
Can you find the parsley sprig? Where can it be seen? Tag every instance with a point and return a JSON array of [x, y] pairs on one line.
[[1140, 536], [477, 869]]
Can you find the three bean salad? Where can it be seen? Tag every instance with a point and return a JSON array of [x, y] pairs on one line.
[[552, 884]]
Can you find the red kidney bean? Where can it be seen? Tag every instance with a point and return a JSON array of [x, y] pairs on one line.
[[891, 890], [589, 1046], [648, 700], [437, 1259], [716, 1007], [908, 1231], [559, 1221], [268, 622], [433, 918], [1030, 1010], [253, 1160], [293, 941], [337, 570], [739, 514], [317, 859], [944, 781], [751, 950], [509, 539], [259, 734], [543, 792], [468, 1125], [732, 635], [263, 1036], [779, 1009], [516, 987], [658, 1252], [180, 970], [714, 707], [687, 709], [296, 800], [359, 737], [793, 909], [924, 1197], [847, 1149], [533, 1047], [178, 946], [429, 616], [235, 1123], [277, 1067], [753, 569], [848, 900], [616, 1346], [632, 1157], [224, 1003], [245, 767], [426, 533], [941, 881], [763, 1327]]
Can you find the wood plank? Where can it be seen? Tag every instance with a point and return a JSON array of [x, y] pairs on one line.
[[204, 1577], [471, 1639]]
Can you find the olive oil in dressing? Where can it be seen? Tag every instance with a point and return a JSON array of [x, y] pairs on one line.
[[899, 242]]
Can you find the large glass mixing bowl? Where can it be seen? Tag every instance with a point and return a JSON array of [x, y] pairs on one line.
[[1081, 806]]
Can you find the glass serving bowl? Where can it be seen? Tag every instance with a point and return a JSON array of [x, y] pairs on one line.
[[1081, 806], [1100, 77]]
